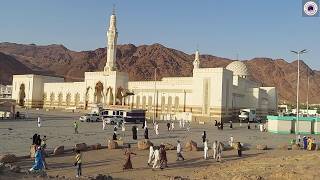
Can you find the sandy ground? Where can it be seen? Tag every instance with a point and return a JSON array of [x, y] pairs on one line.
[[270, 164], [57, 126]]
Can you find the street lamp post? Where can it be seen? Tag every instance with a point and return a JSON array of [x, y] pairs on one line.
[[155, 94], [298, 81], [308, 94]]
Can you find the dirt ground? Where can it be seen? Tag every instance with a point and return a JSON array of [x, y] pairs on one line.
[[255, 164], [271, 164]]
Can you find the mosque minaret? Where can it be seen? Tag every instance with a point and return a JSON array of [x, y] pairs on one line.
[[112, 36]]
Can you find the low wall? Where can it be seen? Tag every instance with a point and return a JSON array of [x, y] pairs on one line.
[[289, 124]]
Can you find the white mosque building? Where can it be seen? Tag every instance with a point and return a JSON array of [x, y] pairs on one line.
[[209, 94]]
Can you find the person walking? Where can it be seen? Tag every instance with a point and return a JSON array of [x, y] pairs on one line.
[[189, 127], [205, 149], [239, 149], [38, 161], [231, 126], [168, 126], [146, 133], [75, 126], [127, 154], [231, 141], [204, 136], [43, 154], [114, 137], [78, 163], [183, 123], [151, 154], [305, 142], [39, 122], [172, 125], [180, 123], [38, 140], [134, 132], [156, 162], [103, 124], [157, 128], [179, 151], [44, 142], [163, 157], [249, 125], [34, 138], [214, 148], [219, 152]]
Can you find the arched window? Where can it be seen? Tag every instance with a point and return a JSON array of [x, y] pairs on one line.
[[60, 99], [150, 103], [68, 99], [163, 103], [144, 101], [138, 102], [169, 104], [176, 104], [52, 97], [77, 99]]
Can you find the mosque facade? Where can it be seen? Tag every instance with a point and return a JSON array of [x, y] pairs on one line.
[[209, 94]]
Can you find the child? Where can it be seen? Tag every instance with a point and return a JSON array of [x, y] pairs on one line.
[[78, 162]]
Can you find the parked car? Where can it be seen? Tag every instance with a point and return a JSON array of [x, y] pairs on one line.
[[113, 119], [90, 117]]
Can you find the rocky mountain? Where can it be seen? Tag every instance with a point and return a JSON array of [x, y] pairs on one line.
[[140, 61]]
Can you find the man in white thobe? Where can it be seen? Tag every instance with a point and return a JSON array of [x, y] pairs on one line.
[[205, 148], [231, 141], [39, 122], [214, 148], [156, 162], [151, 154], [172, 125], [103, 124], [180, 123], [157, 129], [219, 151]]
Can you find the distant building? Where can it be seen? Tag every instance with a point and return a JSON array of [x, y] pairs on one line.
[[209, 94], [5, 91]]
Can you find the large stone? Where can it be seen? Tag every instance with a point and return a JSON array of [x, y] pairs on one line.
[[144, 144], [169, 146], [262, 147], [96, 146], [58, 150], [101, 177], [283, 147], [191, 146], [81, 147], [15, 169], [112, 144], [8, 158]]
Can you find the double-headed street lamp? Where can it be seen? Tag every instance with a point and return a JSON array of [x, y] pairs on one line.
[[297, 108]]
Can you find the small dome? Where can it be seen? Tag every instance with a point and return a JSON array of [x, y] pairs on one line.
[[238, 68]]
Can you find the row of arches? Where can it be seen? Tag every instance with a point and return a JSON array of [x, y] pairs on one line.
[[167, 105], [68, 99]]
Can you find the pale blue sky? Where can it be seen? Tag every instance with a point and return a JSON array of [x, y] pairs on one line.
[[250, 28]]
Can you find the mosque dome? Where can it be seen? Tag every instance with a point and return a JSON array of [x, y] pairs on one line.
[[238, 68]]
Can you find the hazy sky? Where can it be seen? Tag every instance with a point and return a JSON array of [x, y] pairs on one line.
[[250, 28]]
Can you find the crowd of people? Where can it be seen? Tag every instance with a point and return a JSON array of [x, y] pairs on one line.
[[157, 158]]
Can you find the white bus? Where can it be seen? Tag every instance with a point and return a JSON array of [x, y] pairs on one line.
[[129, 115]]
